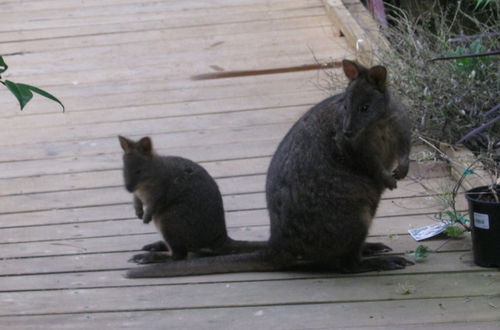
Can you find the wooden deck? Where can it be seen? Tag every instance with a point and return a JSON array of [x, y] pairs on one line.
[[126, 67]]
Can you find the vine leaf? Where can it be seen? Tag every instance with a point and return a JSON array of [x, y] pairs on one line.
[[3, 65], [23, 94], [42, 93]]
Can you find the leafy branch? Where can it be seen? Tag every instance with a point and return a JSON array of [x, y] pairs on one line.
[[23, 92]]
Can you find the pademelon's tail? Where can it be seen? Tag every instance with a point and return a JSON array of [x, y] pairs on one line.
[[259, 261]]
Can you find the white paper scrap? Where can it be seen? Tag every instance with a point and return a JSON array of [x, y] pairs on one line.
[[425, 232]]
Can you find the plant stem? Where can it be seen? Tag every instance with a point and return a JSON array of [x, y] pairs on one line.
[[445, 58]]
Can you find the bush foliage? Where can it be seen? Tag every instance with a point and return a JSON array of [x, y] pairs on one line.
[[448, 98]]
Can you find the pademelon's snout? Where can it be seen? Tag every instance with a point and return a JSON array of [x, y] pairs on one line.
[[129, 187]]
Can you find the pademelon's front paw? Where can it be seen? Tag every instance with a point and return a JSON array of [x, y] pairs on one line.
[[400, 172], [147, 218], [389, 181]]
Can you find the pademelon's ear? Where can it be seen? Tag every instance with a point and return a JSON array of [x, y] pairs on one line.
[[379, 76], [145, 145], [126, 144], [351, 69]]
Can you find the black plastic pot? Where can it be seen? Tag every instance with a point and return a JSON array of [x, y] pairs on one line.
[[485, 226]]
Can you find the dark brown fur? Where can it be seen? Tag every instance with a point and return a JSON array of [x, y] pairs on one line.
[[182, 200], [324, 185]]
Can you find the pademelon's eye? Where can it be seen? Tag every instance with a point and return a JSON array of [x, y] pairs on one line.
[[137, 172], [364, 108]]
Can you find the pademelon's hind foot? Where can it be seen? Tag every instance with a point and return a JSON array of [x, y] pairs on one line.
[[384, 263], [380, 263], [370, 249]]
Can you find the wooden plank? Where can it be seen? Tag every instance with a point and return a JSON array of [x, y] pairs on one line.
[[236, 294], [177, 19], [109, 196], [176, 97], [415, 314], [31, 5], [150, 84], [59, 4], [98, 214], [50, 16], [142, 8], [241, 179], [116, 196], [105, 154], [450, 325], [135, 241], [107, 270], [70, 71], [231, 179], [120, 28], [354, 34], [229, 57], [88, 115], [95, 36], [101, 52], [391, 227], [226, 121]]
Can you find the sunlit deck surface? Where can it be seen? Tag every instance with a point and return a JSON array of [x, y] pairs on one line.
[[219, 82]]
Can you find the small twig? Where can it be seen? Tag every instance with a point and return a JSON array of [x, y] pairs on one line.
[[473, 36], [439, 151], [494, 193], [444, 58], [493, 110], [483, 126]]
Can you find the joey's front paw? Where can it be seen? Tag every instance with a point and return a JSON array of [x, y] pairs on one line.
[[139, 213], [149, 258], [143, 258]]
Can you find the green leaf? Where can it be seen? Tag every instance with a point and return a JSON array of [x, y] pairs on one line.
[[453, 231], [3, 65], [468, 171], [479, 3], [451, 215], [421, 252], [22, 93], [43, 93], [463, 219]]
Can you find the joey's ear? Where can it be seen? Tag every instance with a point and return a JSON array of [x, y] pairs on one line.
[[145, 145], [351, 69], [125, 143], [379, 75]]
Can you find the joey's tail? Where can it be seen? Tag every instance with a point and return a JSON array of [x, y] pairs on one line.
[[258, 261], [233, 246]]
